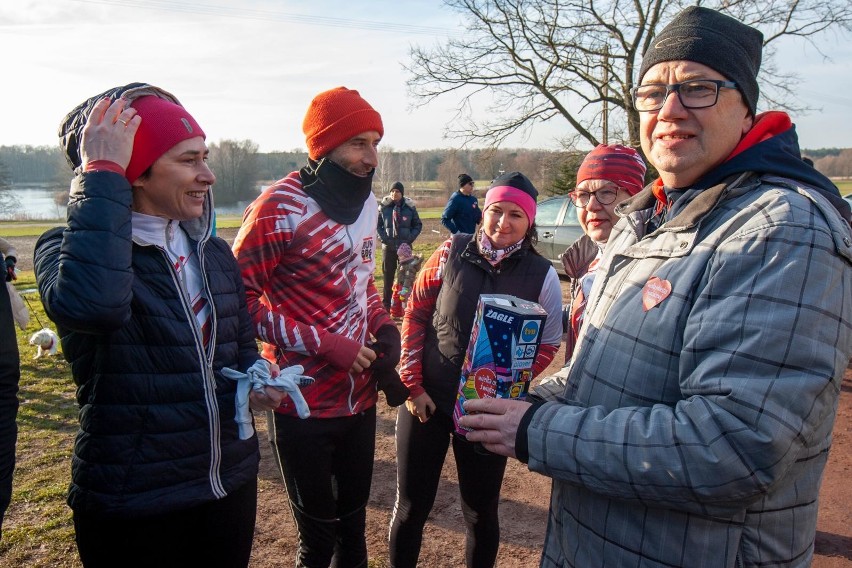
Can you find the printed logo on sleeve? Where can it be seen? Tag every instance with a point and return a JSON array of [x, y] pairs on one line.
[[367, 250]]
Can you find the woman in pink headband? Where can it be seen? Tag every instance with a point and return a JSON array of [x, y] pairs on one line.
[[499, 259]]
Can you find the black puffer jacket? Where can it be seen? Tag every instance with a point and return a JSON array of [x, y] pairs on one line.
[[157, 430]]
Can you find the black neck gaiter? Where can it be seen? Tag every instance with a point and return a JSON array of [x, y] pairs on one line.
[[340, 194]]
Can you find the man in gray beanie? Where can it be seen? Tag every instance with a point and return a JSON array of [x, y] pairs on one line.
[[713, 39], [702, 392]]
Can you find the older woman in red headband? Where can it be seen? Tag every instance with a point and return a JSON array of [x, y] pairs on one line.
[[608, 175]]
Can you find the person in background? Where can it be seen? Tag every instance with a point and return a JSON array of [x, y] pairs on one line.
[[9, 258], [150, 310], [608, 175], [398, 224], [499, 259], [306, 248], [409, 266], [702, 393], [462, 213], [10, 375]]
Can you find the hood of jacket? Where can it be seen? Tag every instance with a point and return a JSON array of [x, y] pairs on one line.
[[577, 257], [772, 147], [388, 200]]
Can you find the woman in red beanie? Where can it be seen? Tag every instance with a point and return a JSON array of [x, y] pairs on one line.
[[150, 309]]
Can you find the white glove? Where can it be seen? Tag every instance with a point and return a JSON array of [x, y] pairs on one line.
[[289, 380], [257, 377]]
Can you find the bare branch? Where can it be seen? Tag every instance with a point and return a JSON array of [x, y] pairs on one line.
[[525, 62]]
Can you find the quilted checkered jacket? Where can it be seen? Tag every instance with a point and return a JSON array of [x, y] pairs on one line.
[[697, 419]]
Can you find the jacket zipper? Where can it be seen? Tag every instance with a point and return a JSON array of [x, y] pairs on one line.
[[206, 366], [348, 314]]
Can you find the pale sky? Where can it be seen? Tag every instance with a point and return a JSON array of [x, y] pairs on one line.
[[247, 69]]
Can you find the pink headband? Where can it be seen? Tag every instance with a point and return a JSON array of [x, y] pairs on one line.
[[514, 195]]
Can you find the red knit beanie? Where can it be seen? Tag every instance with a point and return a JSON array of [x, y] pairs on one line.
[[164, 124], [619, 164], [334, 117]]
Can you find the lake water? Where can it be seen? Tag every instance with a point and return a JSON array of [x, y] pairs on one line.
[[37, 203]]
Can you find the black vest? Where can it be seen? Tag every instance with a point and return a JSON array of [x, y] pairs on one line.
[[467, 275]]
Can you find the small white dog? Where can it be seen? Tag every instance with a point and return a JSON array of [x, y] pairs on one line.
[[47, 342]]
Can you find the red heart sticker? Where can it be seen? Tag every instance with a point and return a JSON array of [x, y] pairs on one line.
[[654, 292], [485, 383]]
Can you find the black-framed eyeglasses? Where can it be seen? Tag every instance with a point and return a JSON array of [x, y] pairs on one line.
[[701, 93], [581, 197]]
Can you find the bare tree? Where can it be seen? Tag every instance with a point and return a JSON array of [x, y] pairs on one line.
[[9, 204], [537, 60], [407, 167], [448, 172], [388, 170], [233, 162], [836, 165]]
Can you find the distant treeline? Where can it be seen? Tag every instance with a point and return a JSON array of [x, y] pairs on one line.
[[240, 168]]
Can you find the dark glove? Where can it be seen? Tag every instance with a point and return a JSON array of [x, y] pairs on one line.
[[10, 268], [388, 381], [388, 346]]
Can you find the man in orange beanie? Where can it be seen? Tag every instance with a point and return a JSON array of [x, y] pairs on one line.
[[306, 250]]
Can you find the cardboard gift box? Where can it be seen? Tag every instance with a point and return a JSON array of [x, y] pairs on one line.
[[503, 345]]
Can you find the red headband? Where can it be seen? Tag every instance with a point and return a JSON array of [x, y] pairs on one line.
[[616, 163]]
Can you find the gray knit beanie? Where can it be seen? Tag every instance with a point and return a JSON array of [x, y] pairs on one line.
[[713, 39]]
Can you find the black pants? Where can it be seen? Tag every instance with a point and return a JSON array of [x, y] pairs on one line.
[[217, 533], [420, 453], [327, 465], [389, 264]]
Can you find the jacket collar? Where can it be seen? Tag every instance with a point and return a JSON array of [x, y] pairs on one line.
[[577, 258]]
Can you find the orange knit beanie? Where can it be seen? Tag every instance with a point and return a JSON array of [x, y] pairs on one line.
[[335, 116]]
